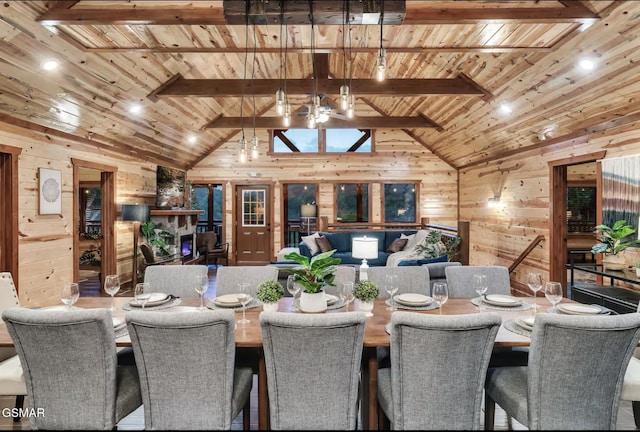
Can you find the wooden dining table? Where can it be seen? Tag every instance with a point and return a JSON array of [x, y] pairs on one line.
[[250, 335]]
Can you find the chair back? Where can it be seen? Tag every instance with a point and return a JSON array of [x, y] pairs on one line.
[[8, 294], [179, 280], [313, 364], [343, 274], [69, 362], [228, 278], [206, 241], [411, 279], [186, 363], [460, 280], [438, 368], [576, 369], [147, 253]]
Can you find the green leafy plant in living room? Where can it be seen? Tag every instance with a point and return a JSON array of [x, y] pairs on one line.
[[611, 238], [270, 291], [434, 245], [156, 239], [366, 291], [316, 273]]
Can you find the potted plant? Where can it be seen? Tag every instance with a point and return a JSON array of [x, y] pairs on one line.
[[313, 275], [269, 292], [612, 242], [434, 246], [366, 292], [638, 269]]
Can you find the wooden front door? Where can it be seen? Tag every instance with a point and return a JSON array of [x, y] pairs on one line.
[[253, 224]]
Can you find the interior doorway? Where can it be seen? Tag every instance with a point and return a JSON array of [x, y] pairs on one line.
[[94, 215], [9, 211]]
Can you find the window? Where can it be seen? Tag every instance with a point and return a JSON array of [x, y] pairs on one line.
[[295, 195], [581, 208], [253, 202], [399, 202], [352, 202], [208, 198], [90, 210], [322, 140]]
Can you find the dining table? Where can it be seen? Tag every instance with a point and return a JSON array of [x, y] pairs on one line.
[[375, 336]]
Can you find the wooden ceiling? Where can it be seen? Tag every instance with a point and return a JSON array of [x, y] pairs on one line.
[[450, 65]]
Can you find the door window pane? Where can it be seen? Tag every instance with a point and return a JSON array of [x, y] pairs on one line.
[[399, 202], [253, 207], [352, 202]]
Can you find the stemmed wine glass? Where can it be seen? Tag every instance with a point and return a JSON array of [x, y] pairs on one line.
[[70, 294], [243, 298], [534, 281], [142, 293], [553, 293], [440, 293], [391, 286], [293, 288], [347, 293], [111, 287], [480, 285], [201, 287]]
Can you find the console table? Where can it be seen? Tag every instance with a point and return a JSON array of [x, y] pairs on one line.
[[619, 299]]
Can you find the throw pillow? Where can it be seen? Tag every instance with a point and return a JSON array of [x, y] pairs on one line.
[[310, 241], [407, 263], [410, 240], [324, 244], [397, 245]]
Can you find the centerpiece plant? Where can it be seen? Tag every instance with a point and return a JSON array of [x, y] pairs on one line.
[[269, 292], [313, 275]]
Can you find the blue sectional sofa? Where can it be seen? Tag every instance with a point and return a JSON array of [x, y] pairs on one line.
[[341, 241]]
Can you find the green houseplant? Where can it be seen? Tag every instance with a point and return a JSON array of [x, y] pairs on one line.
[[313, 275], [434, 245], [612, 242], [269, 292], [366, 292]]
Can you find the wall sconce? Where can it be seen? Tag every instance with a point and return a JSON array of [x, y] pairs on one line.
[[494, 202]]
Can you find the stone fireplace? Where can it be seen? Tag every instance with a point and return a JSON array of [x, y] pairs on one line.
[[179, 222]]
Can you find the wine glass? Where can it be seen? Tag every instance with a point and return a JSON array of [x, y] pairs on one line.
[[553, 293], [480, 285], [391, 286], [293, 288], [534, 281], [142, 293], [111, 287], [347, 293], [70, 294], [440, 293], [243, 298], [202, 286]]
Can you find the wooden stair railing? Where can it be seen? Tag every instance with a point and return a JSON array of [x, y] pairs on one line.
[[516, 286]]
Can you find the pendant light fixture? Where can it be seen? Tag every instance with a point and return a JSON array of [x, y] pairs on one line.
[[286, 117], [351, 103], [344, 88], [381, 62], [314, 108], [280, 94], [254, 139], [242, 143]]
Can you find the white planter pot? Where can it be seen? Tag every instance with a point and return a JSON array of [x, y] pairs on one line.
[[637, 272], [313, 302], [270, 307], [614, 262], [366, 306]]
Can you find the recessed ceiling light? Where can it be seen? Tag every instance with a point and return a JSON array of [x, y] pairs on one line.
[[135, 109], [505, 108], [587, 64], [192, 139], [49, 64]]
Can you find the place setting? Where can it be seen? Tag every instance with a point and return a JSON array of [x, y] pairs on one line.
[[501, 302], [144, 299], [240, 301], [411, 301]]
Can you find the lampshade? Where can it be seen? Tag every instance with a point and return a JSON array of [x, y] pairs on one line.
[[364, 247], [136, 212], [308, 210]]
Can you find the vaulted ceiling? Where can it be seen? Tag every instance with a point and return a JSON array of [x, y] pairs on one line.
[[450, 66]]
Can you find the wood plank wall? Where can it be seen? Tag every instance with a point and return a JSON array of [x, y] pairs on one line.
[[499, 235], [46, 241], [398, 157]]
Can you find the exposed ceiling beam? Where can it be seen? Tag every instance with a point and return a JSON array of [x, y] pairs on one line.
[[298, 122], [182, 87], [415, 14]]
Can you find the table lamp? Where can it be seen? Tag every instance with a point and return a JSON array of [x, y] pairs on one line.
[[365, 248], [308, 211], [135, 213]]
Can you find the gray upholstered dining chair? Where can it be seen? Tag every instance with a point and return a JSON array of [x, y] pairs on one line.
[[313, 364], [11, 376], [574, 377], [460, 280], [187, 373], [228, 278], [411, 279], [438, 367], [178, 280], [344, 274], [70, 368]]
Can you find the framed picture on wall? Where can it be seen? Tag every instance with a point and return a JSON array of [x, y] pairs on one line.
[[50, 191]]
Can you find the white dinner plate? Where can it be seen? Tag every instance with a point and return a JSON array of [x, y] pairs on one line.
[[578, 309], [118, 322], [501, 300], [155, 299], [412, 299], [229, 300], [331, 299], [526, 323]]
